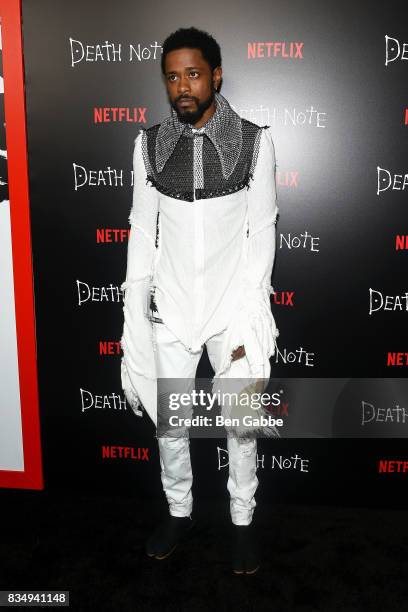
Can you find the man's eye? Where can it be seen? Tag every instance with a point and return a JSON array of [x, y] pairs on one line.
[[194, 74], [171, 77]]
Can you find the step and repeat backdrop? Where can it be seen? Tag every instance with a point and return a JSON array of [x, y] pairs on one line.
[[330, 78]]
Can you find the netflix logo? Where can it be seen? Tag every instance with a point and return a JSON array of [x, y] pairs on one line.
[[109, 347], [125, 452], [283, 298], [287, 179], [104, 235], [278, 411], [401, 242], [122, 114], [397, 359], [385, 466], [286, 50]]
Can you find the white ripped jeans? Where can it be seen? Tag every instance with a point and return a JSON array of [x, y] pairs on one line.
[[174, 361]]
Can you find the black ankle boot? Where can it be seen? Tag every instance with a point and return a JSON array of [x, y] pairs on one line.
[[245, 549], [168, 535]]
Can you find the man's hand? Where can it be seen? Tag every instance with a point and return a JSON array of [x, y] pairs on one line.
[[238, 353]]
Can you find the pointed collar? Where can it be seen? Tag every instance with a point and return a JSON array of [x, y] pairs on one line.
[[223, 129]]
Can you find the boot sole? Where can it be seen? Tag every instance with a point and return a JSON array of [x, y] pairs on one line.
[[253, 571], [250, 573], [160, 556]]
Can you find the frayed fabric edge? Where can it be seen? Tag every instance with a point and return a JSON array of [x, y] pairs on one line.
[[246, 432], [243, 432], [130, 394]]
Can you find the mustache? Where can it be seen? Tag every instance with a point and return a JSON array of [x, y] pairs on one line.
[[185, 98]]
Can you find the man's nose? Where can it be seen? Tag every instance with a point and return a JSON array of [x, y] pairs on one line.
[[183, 85]]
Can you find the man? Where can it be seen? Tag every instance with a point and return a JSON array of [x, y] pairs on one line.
[[200, 258]]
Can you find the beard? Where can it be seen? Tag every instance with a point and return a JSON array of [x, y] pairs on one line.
[[186, 116]]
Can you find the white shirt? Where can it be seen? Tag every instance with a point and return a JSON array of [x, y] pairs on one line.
[[210, 276]]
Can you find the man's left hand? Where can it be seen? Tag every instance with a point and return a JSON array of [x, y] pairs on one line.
[[238, 353]]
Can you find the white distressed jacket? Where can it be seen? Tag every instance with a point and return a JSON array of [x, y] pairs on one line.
[[211, 271]]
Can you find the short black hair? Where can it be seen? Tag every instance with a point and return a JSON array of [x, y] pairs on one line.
[[192, 38]]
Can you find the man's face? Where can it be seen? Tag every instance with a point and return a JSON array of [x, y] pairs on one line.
[[191, 85]]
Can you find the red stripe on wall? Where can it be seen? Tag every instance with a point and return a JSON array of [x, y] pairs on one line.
[[31, 477]]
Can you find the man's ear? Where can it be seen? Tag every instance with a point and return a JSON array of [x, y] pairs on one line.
[[217, 77]]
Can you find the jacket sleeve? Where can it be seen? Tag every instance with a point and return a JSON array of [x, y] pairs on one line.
[[262, 216], [138, 362], [254, 325]]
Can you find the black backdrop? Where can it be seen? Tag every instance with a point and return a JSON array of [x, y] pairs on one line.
[[337, 109]]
